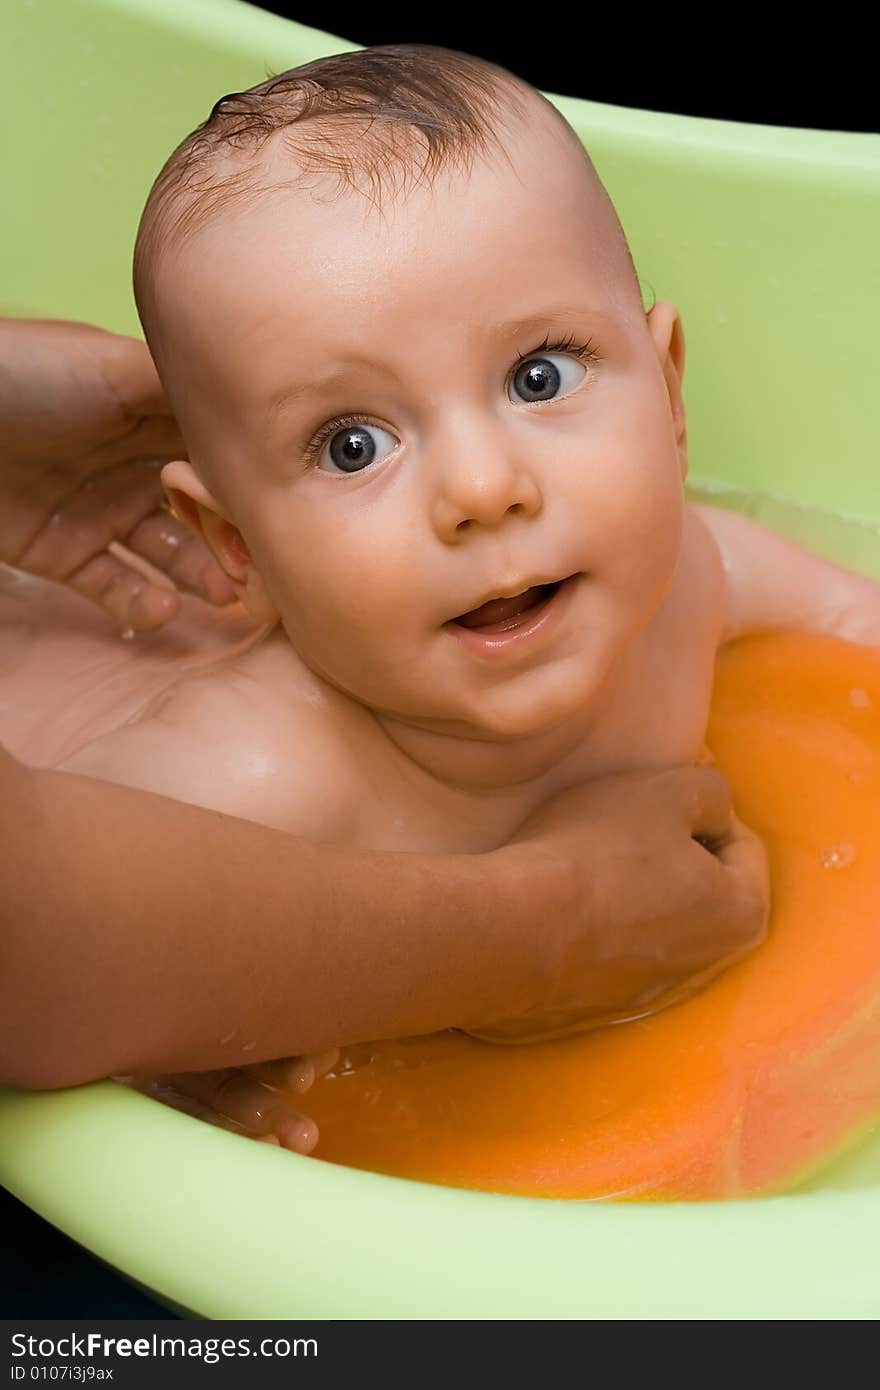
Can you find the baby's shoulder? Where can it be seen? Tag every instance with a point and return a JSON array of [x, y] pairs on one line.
[[700, 548], [697, 600], [255, 738]]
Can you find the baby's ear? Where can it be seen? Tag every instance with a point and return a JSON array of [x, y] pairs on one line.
[[665, 327], [191, 501]]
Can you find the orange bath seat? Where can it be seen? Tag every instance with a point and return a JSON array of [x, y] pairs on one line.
[[740, 1090]]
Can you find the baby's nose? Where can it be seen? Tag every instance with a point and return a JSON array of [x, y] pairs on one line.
[[483, 493]]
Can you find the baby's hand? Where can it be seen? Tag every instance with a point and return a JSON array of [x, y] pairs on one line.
[[255, 1101]]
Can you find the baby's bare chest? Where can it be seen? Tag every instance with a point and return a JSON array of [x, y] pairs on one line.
[[315, 766]]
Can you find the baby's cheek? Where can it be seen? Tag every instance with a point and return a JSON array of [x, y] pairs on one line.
[[638, 502], [643, 547]]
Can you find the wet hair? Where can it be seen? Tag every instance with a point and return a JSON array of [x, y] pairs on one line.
[[425, 108]]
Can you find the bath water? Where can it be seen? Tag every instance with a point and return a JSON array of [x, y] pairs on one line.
[[767, 1081]]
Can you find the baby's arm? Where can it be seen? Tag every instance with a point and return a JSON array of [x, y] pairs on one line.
[[773, 583]]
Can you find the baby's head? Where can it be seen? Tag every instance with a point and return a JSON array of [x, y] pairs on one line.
[[397, 318]]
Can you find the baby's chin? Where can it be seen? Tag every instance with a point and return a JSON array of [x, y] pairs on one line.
[[564, 687], [521, 708], [512, 717]]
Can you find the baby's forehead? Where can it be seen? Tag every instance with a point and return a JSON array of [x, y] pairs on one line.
[[538, 167], [255, 205], [298, 235], [210, 178]]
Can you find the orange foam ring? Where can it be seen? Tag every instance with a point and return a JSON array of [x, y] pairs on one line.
[[738, 1091]]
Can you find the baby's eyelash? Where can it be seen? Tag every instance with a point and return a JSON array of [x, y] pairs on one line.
[[327, 432], [585, 351]]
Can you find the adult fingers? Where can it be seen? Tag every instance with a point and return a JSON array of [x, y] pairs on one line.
[[291, 1074], [173, 549], [156, 1089], [744, 857], [136, 603], [80, 523], [708, 806], [236, 1096], [325, 1061], [295, 1074]]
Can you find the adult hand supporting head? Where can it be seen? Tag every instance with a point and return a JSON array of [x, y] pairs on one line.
[[84, 431], [666, 890]]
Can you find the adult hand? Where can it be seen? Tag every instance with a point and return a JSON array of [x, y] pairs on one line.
[[675, 888], [84, 431]]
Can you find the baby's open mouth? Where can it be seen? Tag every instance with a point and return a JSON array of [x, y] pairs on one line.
[[504, 614]]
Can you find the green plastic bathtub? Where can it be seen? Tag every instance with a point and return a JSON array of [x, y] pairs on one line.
[[767, 239]]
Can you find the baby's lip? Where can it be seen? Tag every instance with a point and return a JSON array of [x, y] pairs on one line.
[[507, 601]]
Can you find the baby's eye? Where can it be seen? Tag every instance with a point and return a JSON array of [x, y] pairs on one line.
[[353, 448], [545, 377]]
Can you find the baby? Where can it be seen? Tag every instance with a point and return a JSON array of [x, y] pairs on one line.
[[439, 447]]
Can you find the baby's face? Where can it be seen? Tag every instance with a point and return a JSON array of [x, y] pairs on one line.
[[412, 414]]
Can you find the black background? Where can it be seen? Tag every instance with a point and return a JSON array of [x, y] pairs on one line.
[[721, 62]]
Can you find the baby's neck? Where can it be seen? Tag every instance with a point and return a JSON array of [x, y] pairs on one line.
[[470, 761], [467, 761]]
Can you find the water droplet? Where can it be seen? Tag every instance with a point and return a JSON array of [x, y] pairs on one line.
[[838, 856], [354, 1059], [859, 698]]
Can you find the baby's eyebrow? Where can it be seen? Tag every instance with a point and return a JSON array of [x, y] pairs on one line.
[[341, 376], [313, 386], [564, 316]]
